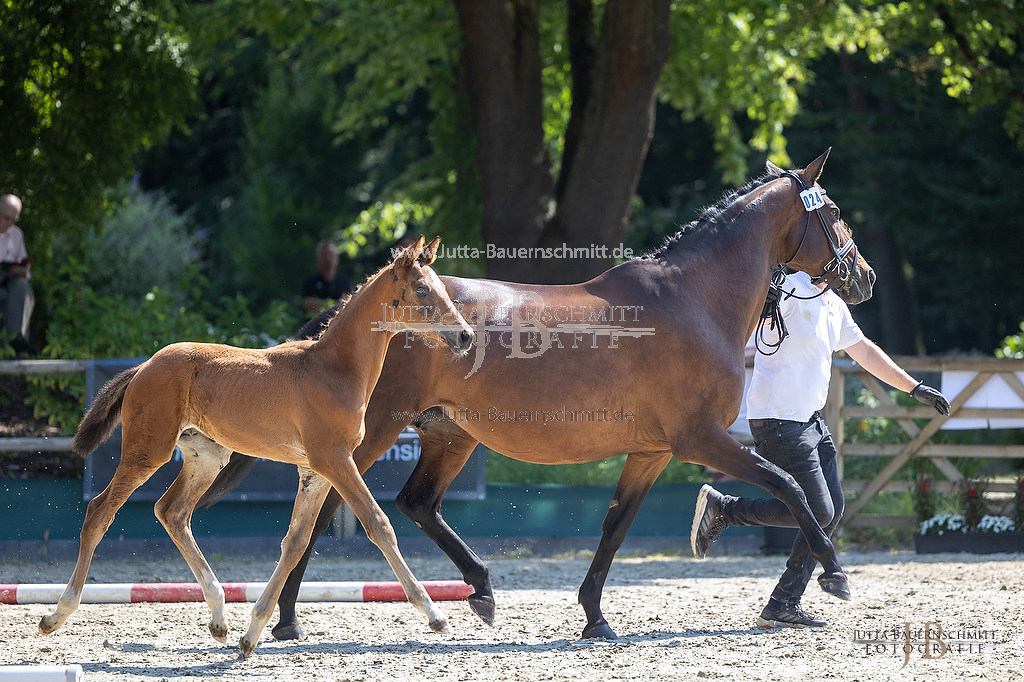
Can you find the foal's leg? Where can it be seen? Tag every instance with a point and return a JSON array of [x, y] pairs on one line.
[[203, 460], [312, 491], [445, 449], [287, 623], [638, 475], [344, 476], [720, 451], [382, 430], [132, 472]]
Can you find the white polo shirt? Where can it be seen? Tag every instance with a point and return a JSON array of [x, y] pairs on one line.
[[793, 383]]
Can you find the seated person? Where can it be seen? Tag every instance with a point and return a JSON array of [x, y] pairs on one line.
[[16, 298], [327, 284]]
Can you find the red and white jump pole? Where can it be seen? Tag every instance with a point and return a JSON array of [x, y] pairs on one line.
[[129, 593]]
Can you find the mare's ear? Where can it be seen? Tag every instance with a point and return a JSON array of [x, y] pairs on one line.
[[771, 168], [429, 251], [813, 170], [409, 256]]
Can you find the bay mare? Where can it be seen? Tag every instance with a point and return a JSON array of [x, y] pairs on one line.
[[302, 402], [657, 341]]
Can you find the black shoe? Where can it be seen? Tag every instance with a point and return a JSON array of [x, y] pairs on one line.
[[708, 521], [779, 615]]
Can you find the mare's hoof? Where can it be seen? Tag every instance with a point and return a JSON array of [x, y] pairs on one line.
[[440, 625], [285, 632], [599, 630], [835, 584], [219, 632], [483, 607]]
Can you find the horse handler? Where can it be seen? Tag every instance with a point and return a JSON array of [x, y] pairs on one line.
[[788, 389]]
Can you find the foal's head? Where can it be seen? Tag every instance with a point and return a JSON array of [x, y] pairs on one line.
[[420, 301], [821, 243]]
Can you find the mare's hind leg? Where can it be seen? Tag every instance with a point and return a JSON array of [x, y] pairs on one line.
[[445, 449], [720, 451], [133, 471], [638, 475], [203, 461], [312, 491]]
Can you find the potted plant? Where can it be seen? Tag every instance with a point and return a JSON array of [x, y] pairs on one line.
[[973, 529]]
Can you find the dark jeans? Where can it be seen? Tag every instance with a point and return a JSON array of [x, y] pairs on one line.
[[807, 453]]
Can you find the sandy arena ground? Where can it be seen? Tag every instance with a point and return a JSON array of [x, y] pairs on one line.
[[677, 618]]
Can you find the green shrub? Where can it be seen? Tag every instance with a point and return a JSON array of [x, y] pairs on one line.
[[89, 325]]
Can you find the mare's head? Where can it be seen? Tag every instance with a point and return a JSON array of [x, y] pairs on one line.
[[420, 300], [818, 241]]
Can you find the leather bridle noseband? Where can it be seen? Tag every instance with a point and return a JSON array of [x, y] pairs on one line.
[[813, 200]]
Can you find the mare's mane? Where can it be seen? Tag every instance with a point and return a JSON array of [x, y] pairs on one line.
[[710, 214]]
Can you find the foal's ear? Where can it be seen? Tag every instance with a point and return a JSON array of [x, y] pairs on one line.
[[409, 256], [813, 170], [429, 252]]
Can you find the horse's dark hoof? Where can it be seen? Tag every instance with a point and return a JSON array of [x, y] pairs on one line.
[[286, 632], [835, 584], [483, 607], [599, 630]]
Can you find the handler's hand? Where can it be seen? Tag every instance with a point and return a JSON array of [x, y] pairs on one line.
[[929, 396]]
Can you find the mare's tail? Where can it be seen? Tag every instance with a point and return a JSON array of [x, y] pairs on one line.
[[104, 415]]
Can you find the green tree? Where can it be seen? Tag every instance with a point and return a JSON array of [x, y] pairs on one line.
[[559, 97], [83, 87]]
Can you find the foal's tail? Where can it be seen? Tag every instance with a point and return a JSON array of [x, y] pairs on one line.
[[105, 414]]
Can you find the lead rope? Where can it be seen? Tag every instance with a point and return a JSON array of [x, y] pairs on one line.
[[772, 314]]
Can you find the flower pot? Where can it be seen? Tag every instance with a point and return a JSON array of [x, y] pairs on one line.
[[973, 542]]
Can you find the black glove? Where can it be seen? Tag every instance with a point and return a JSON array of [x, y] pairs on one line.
[[929, 396]]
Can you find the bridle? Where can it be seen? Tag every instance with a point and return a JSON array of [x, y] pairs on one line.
[[813, 200]]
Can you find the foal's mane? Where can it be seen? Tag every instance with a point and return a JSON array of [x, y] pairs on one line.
[[316, 326], [710, 214]]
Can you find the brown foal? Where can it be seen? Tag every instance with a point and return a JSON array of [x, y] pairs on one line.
[[301, 402]]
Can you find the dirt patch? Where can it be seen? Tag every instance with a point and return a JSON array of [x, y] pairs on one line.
[[677, 619]]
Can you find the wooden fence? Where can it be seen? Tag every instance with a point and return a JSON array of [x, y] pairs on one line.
[[39, 443], [920, 437]]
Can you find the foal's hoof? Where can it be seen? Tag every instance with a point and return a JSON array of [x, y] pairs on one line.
[[285, 632], [48, 624], [245, 647], [219, 632], [835, 584], [483, 607], [440, 625], [599, 630]]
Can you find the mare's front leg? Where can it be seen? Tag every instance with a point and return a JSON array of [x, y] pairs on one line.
[[445, 449], [638, 475], [312, 492], [720, 451], [203, 460]]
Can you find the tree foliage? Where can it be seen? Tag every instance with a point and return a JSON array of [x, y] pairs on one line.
[[83, 87], [556, 96]]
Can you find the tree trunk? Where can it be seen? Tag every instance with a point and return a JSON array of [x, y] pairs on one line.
[[611, 124]]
